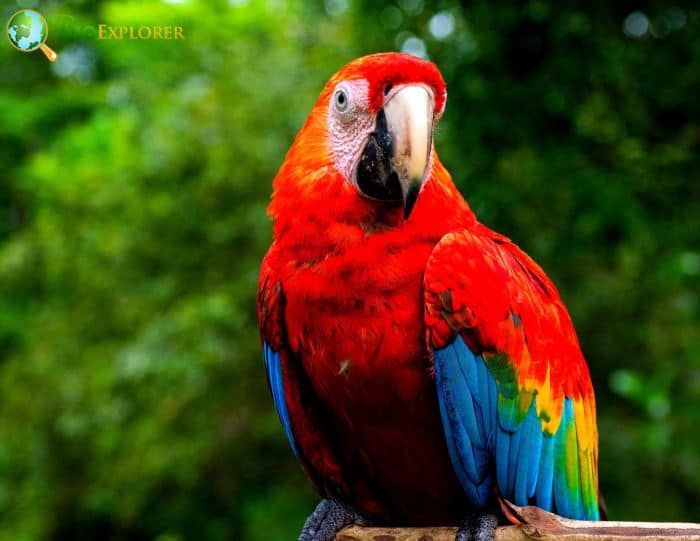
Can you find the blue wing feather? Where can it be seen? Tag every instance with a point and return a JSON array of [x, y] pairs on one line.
[[514, 463], [273, 368], [484, 405], [502, 454], [561, 501], [531, 453], [465, 436], [459, 387], [468, 369], [528, 457], [545, 487]]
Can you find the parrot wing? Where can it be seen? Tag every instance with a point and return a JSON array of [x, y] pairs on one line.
[[514, 391], [295, 402], [270, 314]]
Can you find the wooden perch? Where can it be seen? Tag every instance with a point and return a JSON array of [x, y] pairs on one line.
[[540, 525]]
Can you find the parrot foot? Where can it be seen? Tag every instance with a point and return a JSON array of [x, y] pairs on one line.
[[478, 527], [329, 517]]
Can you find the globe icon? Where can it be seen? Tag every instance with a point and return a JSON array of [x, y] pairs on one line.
[[27, 31]]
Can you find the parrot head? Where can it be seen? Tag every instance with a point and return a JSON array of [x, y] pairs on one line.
[[367, 145]]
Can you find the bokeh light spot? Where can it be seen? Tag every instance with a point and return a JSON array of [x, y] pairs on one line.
[[335, 8], [415, 46], [76, 62], [441, 25], [636, 25]]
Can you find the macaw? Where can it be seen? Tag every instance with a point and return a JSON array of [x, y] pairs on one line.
[[421, 364]]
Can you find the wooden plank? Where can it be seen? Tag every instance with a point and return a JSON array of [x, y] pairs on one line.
[[534, 523]]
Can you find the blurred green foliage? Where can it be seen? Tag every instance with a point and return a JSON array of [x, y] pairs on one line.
[[134, 177]]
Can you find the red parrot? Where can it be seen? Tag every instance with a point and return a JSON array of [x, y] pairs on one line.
[[421, 364]]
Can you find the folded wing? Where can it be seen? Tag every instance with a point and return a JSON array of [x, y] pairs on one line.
[[515, 394]]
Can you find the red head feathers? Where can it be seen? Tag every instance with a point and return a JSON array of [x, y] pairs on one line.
[[366, 147]]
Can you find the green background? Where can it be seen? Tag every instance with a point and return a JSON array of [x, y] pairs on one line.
[[134, 178]]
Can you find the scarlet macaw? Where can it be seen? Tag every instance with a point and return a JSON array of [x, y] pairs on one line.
[[420, 363]]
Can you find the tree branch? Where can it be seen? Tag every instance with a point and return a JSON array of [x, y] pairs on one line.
[[540, 525]]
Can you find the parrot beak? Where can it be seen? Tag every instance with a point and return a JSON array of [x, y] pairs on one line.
[[393, 165], [409, 115]]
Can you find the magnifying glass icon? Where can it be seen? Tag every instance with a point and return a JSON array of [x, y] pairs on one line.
[[27, 31]]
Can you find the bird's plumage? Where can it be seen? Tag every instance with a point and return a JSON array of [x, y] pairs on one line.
[[416, 365]]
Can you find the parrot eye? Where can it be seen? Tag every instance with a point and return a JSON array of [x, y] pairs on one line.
[[341, 101]]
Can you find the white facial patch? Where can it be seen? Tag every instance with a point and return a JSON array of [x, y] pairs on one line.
[[349, 124]]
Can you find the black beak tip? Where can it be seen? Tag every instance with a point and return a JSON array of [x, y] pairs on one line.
[[410, 199]]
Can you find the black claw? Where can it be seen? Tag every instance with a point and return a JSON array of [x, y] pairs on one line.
[[329, 517], [478, 527]]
